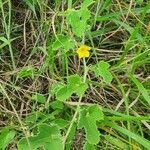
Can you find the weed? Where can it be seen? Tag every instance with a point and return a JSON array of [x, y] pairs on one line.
[[74, 74]]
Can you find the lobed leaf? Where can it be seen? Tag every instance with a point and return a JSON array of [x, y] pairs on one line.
[[6, 136], [87, 120], [102, 69], [78, 18], [88, 146], [63, 42], [48, 137], [75, 85]]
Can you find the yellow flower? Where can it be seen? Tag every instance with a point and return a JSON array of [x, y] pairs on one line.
[[83, 51]]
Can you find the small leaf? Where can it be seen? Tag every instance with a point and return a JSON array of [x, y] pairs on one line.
[[57, 105], [34, 116], [87, 120], [88, 146], [85, 14], [48, 137], [80, 89], [55, 88], [96, 112], [61, 123], [39, 98], [6, 136], [63, 42], [28, 71], [74, 79], [75, 85], [102, 69], [64, 93], [92, 133], [31, 118], [78, 25], [78, 18]]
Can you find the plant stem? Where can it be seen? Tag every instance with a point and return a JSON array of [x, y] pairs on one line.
[[78, 106]]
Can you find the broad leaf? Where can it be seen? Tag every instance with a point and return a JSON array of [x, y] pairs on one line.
[[63, 42], [78, 25], [62, 123], [48, 137], [6, 136], [64, 93], [74, 80], [88, 146], [75, 85], [87, 120], [57, 105], [102, 69], [78, 18]]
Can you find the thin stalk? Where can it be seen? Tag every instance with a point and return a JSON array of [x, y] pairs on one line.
[[78, 106], [19, 120], [8, 30]]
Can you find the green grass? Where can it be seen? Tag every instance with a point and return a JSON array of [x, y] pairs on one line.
[[50, 99]]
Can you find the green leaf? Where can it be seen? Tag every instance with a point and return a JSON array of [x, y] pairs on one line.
[[64, 93], [31, 4], [78, 18], [102, 69], [96, 112], [88, 146], [39, 98], [61, 123], [117, 142], [86, 3], [57, 105], [48, 137], [28, 71], [75, 85], [74, 80], [80, 89], [32, 118], [2, 38], [141, 88], [63, 42], [36, 116], [87, 120], [55, 88], [144, 142], [6, 136], [78, 25], [84, 14]]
